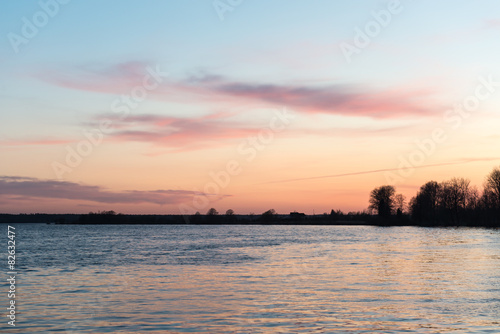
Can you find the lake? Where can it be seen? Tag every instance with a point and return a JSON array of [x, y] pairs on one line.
[[255, 279]]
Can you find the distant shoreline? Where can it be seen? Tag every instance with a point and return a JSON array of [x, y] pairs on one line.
[[305, 220]]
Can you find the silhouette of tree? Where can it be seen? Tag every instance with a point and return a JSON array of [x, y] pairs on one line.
[[473, 198], [212, 212], [492, 189], [424, 207], [230, 212], [270, 212], [104, 212], [335, 215], [197, 218], [268, 215], [490, 203], [454, 197], [400, 203], [382, 200]]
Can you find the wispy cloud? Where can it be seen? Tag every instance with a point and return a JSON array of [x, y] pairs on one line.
[[25, 188], [347, 100], [337, 99], [179, 134], [100, 78]]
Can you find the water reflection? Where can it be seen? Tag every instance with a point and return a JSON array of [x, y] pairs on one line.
[[262, 279]]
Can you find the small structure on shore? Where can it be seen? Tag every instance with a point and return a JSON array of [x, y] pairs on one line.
[[297, 215]]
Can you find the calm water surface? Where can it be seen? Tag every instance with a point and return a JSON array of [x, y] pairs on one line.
[[256, 279]]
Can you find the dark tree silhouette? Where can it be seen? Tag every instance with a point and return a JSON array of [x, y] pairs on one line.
[[336, 215], [197, 218], [268, 215], [212, 212], [270, 212], [454, 197], [230, 212], [424, 207], [492, 189], [382, 200], [400, 203]]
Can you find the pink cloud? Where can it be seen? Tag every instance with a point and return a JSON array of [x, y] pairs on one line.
[[338, 99], [328, 99], [178, 133]]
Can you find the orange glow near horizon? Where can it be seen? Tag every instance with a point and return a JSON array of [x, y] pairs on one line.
[[140, 127]]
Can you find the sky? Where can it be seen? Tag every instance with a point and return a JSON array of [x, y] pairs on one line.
[[173, 107]]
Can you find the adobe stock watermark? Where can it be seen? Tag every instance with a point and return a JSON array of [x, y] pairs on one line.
[[453, 118], [363, 37], [120, 106], [223, 6], [31, 26], [247, 151]]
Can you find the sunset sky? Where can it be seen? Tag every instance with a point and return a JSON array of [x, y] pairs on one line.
[[178, 106]]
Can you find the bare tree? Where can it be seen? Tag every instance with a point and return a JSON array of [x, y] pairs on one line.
[[455, 194], [492, 188], [400, 202], [473, 198]]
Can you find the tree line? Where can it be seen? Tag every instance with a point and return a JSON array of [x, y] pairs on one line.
[[452, 202]]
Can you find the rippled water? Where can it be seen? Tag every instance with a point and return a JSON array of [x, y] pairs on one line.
[[256, 279]]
